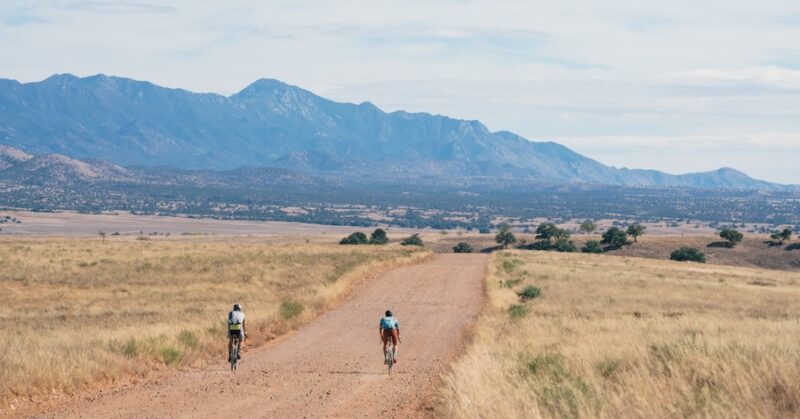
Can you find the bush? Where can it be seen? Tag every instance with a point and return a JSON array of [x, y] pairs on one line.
[[413, 240], [355, 238], [378, 237], [517, 311], [290, 308], [565, 245], [540, 245], [688, 254], [171, 355], [188, 339], [615, 238], [462, 247], [592, 246], [530, 292]]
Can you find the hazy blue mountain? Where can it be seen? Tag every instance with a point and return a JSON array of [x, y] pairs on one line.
[[272, 124]]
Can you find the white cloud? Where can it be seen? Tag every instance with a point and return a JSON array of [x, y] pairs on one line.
[[771, 75]]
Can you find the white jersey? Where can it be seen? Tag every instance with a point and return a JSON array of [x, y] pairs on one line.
[[236, 320]]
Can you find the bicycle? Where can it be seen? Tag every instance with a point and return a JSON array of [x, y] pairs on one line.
[[233, 356], [389, 356]]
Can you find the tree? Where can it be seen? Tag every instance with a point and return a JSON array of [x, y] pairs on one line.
[[102, 235], [378, 237], [635, 230], [592, 246], [733, 237], [462, 247], [504, 236], [547, 232], [355, 238], [688, 254], [413, 240], [615, 238], [588, 226], [782, 236]]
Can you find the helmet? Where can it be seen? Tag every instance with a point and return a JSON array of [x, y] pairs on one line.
[[388, 313], [237, 307]]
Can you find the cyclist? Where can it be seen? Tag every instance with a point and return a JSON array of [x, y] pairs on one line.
[[389, 328], [236, 327]]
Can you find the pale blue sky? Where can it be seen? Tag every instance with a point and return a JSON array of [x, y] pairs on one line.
[[678, 86]]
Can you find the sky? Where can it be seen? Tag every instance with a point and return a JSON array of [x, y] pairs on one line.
[[679, 86]]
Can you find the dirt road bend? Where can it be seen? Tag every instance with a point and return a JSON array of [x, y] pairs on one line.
[[334, 366]]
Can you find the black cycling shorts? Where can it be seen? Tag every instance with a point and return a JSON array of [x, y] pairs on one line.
[[235, 334]]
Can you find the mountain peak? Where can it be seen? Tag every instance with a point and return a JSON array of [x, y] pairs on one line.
[[61, 78], [265, 86]]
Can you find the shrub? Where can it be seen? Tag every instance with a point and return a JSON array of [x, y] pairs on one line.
[[413, 240], [592, 246], [688, 254], [188, 339], [530, 292], [462, 247], [565, 245], [378, 237], [517, 311], [355, 238], [131, 348], [540, 245], [290, 308], [615, 238], [170, 355]]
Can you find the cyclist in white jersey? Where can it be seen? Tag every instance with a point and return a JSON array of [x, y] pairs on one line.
[[236, 327]]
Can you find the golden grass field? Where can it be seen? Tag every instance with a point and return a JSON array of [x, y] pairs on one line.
[[79, 313], [629, 337]]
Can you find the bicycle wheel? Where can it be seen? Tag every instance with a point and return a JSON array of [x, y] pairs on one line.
[[390, 357], [233, 357]]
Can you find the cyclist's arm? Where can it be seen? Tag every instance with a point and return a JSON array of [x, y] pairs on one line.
[[244, 334]]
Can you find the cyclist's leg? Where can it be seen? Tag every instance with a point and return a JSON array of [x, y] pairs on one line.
[[230, 344], [385, 339], [395, 340]]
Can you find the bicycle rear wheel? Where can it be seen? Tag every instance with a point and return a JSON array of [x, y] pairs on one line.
[[233, 356], [390, 357]]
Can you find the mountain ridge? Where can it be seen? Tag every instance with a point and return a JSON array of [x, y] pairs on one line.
[[273, 124]]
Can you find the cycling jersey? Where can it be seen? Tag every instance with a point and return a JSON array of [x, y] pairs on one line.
[[235, 320], [389, 323]]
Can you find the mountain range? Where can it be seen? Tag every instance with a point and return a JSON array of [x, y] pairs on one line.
[[103, 123]]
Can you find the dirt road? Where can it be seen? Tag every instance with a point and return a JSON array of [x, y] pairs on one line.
[[334, 366]]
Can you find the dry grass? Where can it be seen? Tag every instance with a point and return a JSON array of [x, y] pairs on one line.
[[79, 312], [629, 337]]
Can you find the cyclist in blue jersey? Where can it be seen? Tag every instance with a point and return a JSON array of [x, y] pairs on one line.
[[389, 328]]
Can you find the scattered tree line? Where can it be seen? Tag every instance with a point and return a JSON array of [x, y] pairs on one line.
[[379, 237]]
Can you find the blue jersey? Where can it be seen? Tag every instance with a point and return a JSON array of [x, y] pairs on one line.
[[389, 323]]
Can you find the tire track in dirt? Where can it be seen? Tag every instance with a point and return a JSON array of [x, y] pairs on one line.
[[334, 366]]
